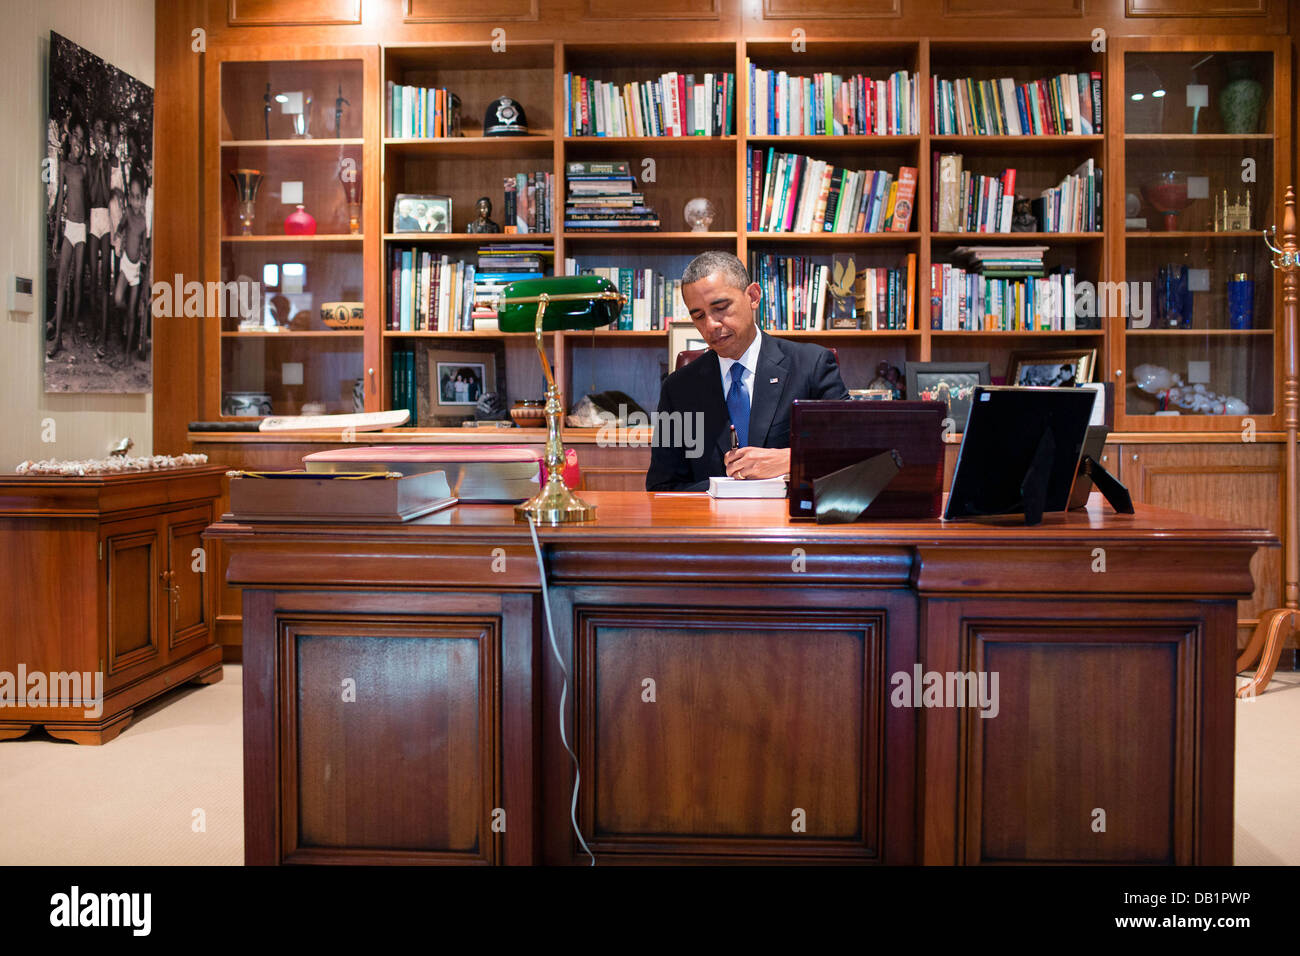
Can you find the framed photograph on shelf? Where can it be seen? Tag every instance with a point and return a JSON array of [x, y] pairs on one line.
[[1068, 367], [682, 337], [413, 212], [952, 383], [451, 377]]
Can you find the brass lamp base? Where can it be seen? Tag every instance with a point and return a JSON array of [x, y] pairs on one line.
[[555, 504]]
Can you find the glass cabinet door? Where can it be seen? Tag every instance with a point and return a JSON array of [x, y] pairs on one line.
[[1199, 168], [292, 269]]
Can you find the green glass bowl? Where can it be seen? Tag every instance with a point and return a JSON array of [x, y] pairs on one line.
[[584, 313]]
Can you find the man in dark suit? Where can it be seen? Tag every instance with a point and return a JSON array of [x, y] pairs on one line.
[[746, 379]]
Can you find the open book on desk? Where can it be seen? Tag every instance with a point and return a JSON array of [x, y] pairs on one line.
[[723, 487]]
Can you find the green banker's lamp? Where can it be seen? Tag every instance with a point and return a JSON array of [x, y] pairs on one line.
[[549, 305]]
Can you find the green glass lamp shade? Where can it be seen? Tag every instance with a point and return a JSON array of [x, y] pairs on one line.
[[575, 302]]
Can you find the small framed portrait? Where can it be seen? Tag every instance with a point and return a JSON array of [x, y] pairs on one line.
[[460, 383], [683, 337], [452, 377], [420, 213], [952, 383], [1058, 367]]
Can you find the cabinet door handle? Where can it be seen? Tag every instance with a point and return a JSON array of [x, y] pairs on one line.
[[1135, 457]]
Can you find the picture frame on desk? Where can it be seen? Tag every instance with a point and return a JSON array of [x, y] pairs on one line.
[[434, 363], [1052, 367], [952, 383]]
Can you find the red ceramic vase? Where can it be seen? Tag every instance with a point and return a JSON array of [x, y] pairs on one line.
[[300, 223]]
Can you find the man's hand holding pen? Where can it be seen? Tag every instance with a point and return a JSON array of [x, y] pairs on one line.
[[750, 462]]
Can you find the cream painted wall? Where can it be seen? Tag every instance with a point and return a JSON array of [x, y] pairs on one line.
[[121, 32]]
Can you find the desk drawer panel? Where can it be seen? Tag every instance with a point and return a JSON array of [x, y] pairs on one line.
[[390, 740], [736, 733]]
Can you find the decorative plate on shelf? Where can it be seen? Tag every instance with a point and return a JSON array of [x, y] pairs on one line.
[[343, 315]]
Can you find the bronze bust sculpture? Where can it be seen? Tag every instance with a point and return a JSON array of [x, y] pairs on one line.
[[483, 223]]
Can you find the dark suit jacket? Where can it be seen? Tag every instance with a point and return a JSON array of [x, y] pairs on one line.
[[786, 371]]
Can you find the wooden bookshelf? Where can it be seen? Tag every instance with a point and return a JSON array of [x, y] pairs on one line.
[[675, 169]]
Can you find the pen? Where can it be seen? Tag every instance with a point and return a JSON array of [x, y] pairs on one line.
[[735, 442]]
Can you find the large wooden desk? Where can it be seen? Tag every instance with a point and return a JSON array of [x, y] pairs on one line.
[[737, 689]]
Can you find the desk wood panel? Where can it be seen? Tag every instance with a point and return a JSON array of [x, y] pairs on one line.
[[775, 685]]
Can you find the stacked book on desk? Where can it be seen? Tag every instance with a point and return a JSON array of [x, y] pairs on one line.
[[473, 473], [344, 495], [786, 192], [1001, 289], [1064, 104], [827, 104], [675, 104], [603, 196], [498, 265]]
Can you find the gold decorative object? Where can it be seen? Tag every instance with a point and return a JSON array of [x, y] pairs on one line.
[[1232, 217], [580, 302], [1265, 644]]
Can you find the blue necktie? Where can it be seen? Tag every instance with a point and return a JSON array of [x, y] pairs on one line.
[[738, 404]]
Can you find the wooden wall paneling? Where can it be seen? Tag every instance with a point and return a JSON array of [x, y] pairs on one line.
[[1198, 8], [659, 10], [281, 13], [468, 11], [1021, 9], [830, 9], [180, 162], [1242, 483]]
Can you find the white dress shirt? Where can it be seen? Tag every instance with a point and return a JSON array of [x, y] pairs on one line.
[[750, 362]]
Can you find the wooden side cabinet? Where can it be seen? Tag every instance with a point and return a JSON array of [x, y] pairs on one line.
[[1242, 483], [118, 601]]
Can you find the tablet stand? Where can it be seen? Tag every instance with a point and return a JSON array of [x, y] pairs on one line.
[[1110, 487]]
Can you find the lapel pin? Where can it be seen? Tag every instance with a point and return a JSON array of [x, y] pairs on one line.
[[773, 381]]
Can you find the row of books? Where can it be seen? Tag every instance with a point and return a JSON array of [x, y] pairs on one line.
[[963, 301], [964, 201], [603, 196], [827, 104], [420, 111], [1074, 205], [786, 192], [675, 104], [653, 300], [1067, 104], [429, 292], [402, 393], [528, 201], [800, 293]]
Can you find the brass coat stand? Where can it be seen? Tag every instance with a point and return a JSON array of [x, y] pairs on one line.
[[1265, 645]]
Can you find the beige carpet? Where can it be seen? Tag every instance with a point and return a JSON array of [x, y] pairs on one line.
[[134, 800]]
